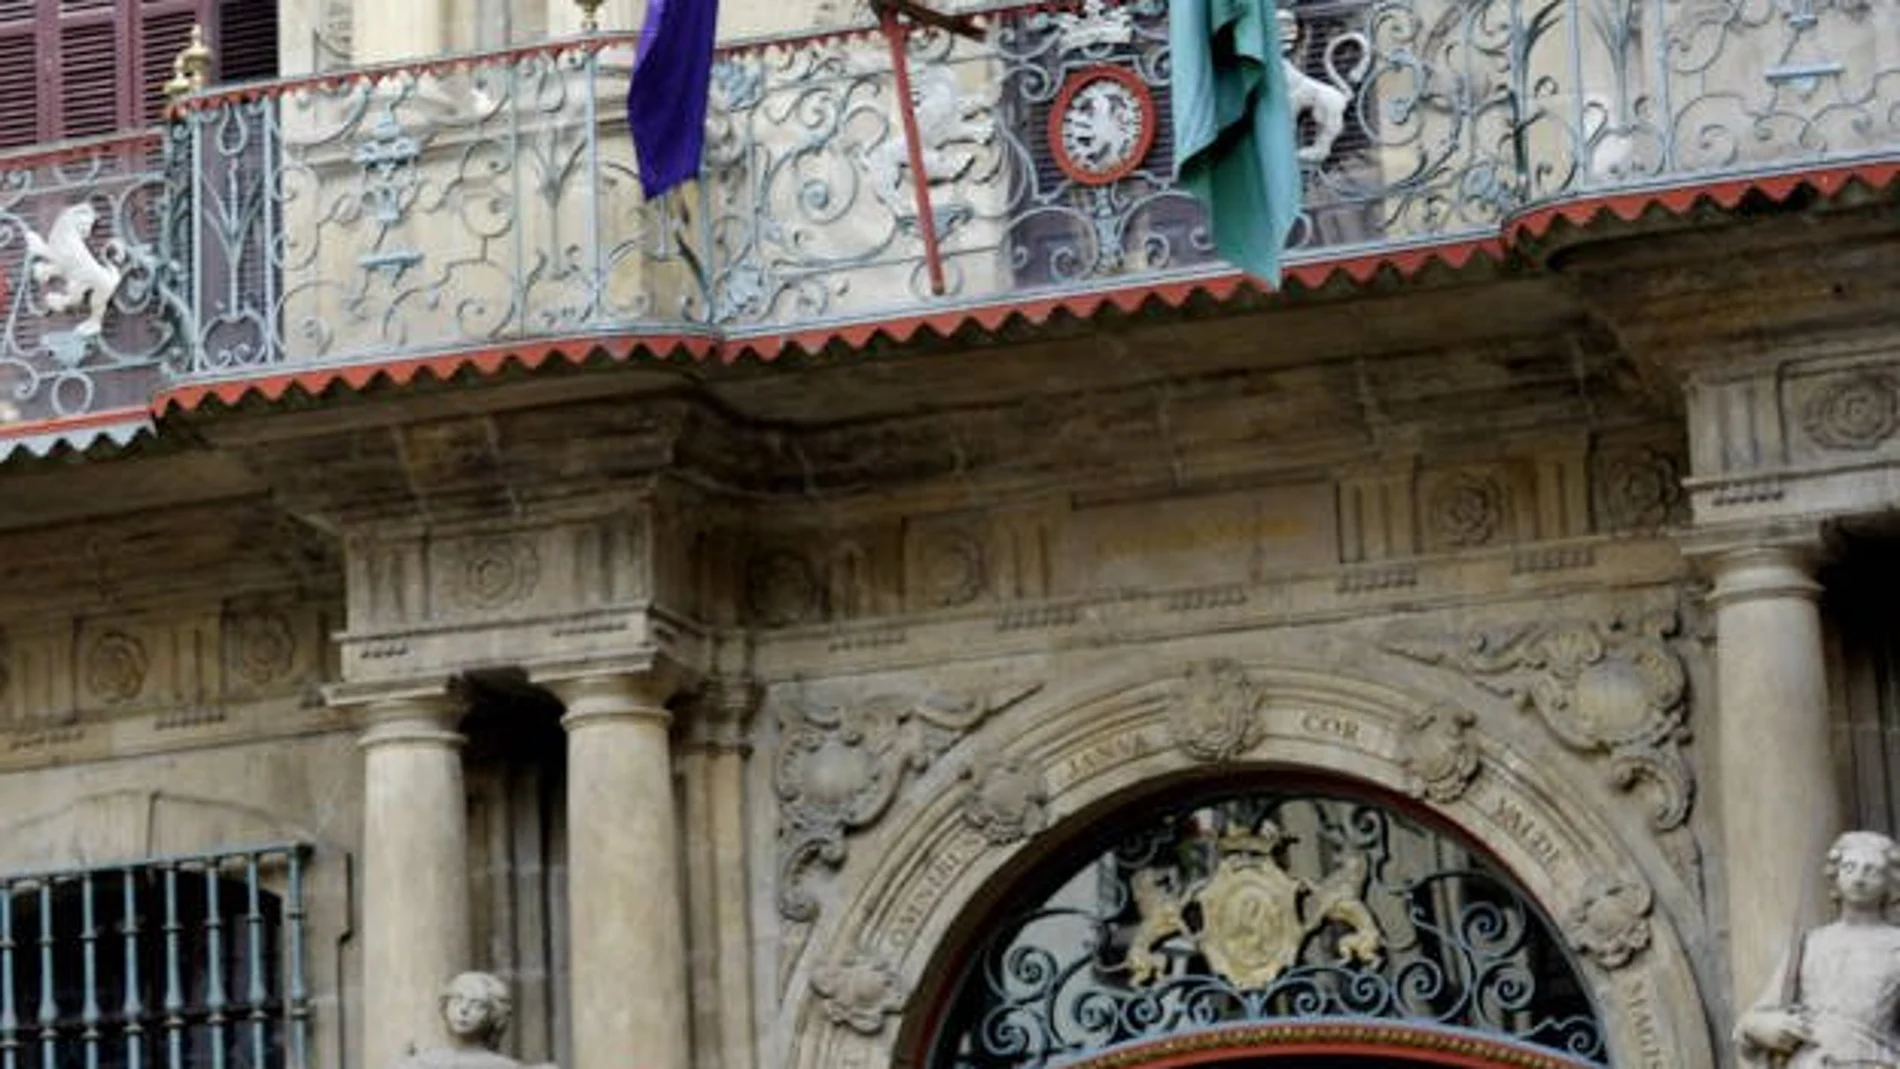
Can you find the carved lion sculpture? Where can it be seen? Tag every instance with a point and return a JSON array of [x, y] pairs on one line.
[[70, 277], [946, 118], [1326, 101]]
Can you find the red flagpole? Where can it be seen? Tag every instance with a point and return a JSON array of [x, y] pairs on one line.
[[896, 34]]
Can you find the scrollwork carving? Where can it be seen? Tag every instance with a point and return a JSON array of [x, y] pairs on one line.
[[1437, 751], [838, 769], [1610, 688], [1216, 716], [1611, 921], [858, 992], [1007, 800]]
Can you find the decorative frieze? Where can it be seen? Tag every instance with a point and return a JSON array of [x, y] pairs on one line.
[[839, 768], [1613, 688]]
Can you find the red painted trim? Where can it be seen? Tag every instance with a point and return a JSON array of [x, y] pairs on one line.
[[1679, 200], [1144, 98], [1291, 1041], [67, 424]]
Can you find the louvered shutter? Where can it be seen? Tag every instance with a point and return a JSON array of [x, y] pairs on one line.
[[19, 57], [164, 27], [246, 40], [88, 86]]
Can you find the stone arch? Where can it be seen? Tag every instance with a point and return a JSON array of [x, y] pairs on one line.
[[936, 867]]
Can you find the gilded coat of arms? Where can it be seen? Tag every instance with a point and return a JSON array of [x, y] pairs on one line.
[[1254, 918]]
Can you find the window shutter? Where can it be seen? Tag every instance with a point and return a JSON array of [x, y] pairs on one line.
[[19, 60], [164, 29], [246, 40], [86, 92]]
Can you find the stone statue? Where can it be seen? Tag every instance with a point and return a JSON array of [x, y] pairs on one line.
[[1836, 1003], [475, 1013]]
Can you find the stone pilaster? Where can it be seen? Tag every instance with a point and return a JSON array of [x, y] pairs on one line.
[[627, 961], [712, 765], [1779, 799], [415, 924]]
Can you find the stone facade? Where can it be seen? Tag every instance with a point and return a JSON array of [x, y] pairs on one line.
[[717, 709]]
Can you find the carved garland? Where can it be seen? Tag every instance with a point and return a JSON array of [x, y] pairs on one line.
[[1613, 687], [839, 768]]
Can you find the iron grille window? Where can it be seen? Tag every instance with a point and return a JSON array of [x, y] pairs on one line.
[[174, 964], [65, 63]]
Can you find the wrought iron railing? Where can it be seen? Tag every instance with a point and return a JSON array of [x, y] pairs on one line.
[[490, 201], [176, 963]]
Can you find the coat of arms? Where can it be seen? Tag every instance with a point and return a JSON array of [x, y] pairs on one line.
[[1254, 918]]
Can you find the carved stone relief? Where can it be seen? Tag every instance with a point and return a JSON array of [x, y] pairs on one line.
[[1637, 489], [858, 992], [950, 568], [1610, 687], [1857, 411], [838, 769], [1611, 921], [489, 572], [782, 589], [1438, 753], [1466, 510], [1216, 716], [116, 666], [260, 647], [1007, 798]]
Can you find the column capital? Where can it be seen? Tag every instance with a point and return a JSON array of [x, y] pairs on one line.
[[597, 694], [719, 720], [1771, 559], [408, 715]]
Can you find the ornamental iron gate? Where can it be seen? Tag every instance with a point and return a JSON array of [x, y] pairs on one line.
[[1253, 912]]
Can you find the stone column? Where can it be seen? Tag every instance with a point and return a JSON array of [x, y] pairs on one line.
[[1780, 802], [627, 955], [415, 927]]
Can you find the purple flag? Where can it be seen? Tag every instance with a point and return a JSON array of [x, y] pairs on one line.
[[666, 102]]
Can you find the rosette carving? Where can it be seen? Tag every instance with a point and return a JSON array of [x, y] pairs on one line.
[[1467, 510], [1613, 688], [1216, 717], [1436, 748], [839, 768], [116, 666], [1857, 411], [859, 991], [1007, 798], [1611, 922]]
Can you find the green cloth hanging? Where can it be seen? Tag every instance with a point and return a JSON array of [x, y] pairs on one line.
[[1235, 146]]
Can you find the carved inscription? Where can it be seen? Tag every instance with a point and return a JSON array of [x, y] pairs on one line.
[[1528, 832], [1652, 1048], [948, 860], [1106, 754], [1331, 725]]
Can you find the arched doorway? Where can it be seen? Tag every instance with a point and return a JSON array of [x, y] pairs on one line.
[[1267, 924]]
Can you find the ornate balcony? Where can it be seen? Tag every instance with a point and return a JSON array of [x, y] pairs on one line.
[[487, 205]]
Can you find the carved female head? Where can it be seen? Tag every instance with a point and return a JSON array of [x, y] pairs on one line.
[[1863, 869], [476, 1006]]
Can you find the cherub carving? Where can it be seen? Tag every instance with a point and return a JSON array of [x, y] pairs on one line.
[[946, 118], [70, 277], [1326, 101]]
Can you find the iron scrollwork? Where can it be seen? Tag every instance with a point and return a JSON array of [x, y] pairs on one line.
[[1264, 908]]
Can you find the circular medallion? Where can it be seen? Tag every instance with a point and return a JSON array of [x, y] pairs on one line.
[[1102, 125]]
